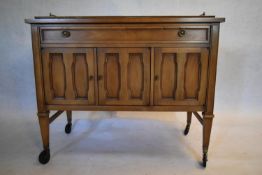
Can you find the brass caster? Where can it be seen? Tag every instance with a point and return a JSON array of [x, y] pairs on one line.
[[204, 160], [68, 128], [186, 129], [44, 156]]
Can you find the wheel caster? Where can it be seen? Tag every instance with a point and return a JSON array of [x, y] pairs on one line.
[[186, 129], [204, 164], [204, 160], [44, 157], [68, 128]]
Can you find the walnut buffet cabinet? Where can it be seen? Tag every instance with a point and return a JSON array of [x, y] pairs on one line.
[[149, 63]]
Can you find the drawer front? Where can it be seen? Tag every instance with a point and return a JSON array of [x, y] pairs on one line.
[[177, 34]]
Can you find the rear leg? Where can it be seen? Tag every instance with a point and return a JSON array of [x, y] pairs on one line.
[[189, 119], [68, 126]]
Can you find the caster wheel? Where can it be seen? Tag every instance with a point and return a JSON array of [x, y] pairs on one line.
[[204, 160], [68, 128], [44, 157], [204, 164], [186, 129]]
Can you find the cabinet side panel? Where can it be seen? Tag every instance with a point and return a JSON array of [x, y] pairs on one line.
[[212, 68], [39, 82]]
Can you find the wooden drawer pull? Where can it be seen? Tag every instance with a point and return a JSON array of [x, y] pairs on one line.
[[100, 77], [181, 32], [91, 77], [156, 77], [66, 34]]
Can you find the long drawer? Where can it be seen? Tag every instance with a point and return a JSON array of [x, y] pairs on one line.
[[125, 34]]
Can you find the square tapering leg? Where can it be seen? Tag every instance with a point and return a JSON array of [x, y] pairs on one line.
[[43, 118], [207, 126]]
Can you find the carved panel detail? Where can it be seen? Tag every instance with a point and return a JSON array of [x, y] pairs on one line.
[[135, 76], [112, 75], [66, 75], [80, 75], [123, 76], [192, 75], [57, 75], [168, 75], [183, 75]]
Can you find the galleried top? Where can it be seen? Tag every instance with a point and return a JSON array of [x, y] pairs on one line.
[[122, 19]]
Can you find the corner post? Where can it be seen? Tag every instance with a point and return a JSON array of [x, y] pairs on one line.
[[208, 114]]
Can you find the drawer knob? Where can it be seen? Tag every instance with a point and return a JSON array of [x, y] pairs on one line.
[[156, 77], [91, 77], [66, 34], [100, 77], [181, 32]]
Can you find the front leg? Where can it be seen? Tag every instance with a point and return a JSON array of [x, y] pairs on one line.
[[207, 126], [43, 118]]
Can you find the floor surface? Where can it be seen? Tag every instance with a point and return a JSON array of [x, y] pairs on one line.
[[131, 143]]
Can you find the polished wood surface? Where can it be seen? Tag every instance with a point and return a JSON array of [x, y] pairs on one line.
[[69, 75], [113, 33], [123, 76], [151, 63], [180, 76], [123, 19]]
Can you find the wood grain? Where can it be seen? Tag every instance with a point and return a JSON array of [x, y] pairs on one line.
[[149, 63], [124, 76], [123, 19], [90, 35], [67, 75], [182, 76]]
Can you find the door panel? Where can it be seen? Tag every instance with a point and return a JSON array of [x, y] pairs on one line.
[[135, 78], [69, 75], [112, 75], [124, 76], [180, 76]]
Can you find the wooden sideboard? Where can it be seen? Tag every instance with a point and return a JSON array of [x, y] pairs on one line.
[[148, 63]]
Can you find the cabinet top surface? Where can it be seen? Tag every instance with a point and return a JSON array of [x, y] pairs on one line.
[[122, 19]]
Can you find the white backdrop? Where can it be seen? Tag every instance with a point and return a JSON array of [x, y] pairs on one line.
[[239, 67], [104, 143]]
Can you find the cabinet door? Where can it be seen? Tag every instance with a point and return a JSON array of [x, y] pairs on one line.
[[124, 76], [69, 75], [180, 76]]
